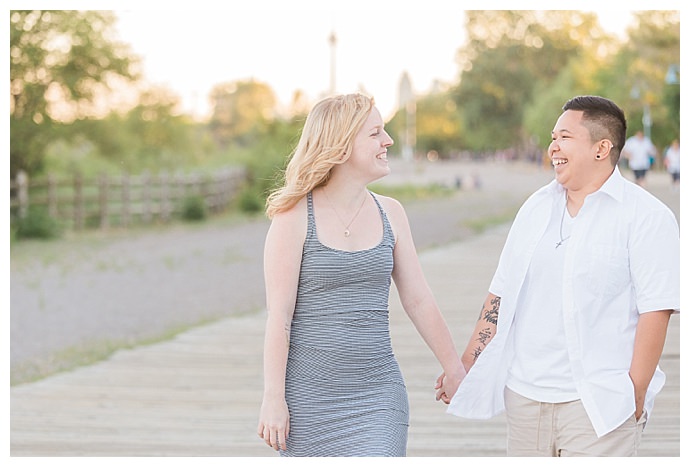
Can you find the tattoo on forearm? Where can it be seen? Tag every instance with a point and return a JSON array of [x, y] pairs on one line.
[[477, 351], [484, 336], [483, 339], [491, 314]]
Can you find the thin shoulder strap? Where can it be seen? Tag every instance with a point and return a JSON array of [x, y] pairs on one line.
[[311, 223], [387, 229]]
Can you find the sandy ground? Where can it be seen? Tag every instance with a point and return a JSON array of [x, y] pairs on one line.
[[78, 299]]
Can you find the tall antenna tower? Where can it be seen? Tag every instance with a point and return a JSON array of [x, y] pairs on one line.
[[332, 41]]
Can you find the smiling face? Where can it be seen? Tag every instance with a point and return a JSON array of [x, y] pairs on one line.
[[370, 148], [573, 153]]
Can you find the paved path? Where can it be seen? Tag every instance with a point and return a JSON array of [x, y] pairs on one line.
[[199, 393]]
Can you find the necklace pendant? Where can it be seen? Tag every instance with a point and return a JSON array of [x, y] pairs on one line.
[[558, 244], [347, 232]]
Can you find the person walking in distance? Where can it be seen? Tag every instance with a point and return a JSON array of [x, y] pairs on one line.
[[672, 163], [332, 385], [571, 332], [640, 153]]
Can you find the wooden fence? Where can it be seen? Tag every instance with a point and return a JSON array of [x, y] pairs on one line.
[[109, 201]]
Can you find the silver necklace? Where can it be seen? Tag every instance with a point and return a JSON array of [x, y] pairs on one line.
[[347, 226], [560, 230]]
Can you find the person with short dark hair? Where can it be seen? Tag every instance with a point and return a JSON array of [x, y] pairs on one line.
[[569, 338]]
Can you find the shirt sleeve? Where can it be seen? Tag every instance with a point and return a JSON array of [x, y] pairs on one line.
[[655, 262]]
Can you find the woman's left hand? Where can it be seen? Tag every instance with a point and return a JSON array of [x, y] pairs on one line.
[[447, 385]]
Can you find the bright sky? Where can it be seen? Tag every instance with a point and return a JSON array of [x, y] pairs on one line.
[[191, 47], [285, 45], [191, 51]]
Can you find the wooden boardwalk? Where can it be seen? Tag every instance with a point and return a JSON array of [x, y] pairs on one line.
[[199, 394]]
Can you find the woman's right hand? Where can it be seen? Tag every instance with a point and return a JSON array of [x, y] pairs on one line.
[[274, 423]]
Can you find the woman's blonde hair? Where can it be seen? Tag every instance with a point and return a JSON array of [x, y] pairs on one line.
[[327, 139]]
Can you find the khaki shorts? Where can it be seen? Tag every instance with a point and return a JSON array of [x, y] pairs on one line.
[[564, 430]]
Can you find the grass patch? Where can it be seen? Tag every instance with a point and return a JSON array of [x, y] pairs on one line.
[[411, 192], [88, 354], [482, 224]]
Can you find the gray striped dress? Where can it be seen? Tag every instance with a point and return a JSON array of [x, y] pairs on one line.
[[344, 388]]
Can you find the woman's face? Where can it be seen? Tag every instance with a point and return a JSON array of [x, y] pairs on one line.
[[370, 149]]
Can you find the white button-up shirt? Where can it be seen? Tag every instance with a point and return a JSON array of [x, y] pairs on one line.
[[622, 259]]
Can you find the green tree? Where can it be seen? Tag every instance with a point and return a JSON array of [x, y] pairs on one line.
[[541, 114], [637, 77], [164, 138], [150, 136], [242, 110], [510, 55], [60, 63], [578, 77], [266, 159], [438, 126], [632, 73]]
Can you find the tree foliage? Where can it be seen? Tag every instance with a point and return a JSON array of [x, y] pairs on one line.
[[241, 111], [150, 136], [516, 70], [60, 63], [439, 125], [641, 70], [509, 57]]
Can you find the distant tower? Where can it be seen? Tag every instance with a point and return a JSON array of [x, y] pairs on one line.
[[407, 101], [332, 41]]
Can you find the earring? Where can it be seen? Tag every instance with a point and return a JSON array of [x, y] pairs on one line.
[[598, 156]]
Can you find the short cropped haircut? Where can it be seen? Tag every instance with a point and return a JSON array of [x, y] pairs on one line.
[[604, 120]]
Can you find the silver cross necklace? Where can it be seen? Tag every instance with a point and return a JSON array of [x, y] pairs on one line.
[[560, 230]]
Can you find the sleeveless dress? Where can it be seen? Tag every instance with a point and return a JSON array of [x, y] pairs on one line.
[[343, 387]]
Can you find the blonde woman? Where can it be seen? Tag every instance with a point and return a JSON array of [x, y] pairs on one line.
[[332, 386]]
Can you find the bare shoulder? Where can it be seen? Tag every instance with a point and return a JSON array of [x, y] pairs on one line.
[[291, 225], [392, 206], [395, 213]]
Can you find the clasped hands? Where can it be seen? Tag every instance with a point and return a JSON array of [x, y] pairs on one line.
[[447, 384]]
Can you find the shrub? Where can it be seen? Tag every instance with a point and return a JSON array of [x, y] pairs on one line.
[[250, 200], [37, 224], [194, 209]]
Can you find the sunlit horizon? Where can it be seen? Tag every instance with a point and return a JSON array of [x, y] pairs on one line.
[[295, 54]]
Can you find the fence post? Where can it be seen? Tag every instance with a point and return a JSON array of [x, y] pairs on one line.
[[23, 193], [103, 201], [78, 202], [146, 184], [153, 197], [52, 197], [126, 209], [163, 195]]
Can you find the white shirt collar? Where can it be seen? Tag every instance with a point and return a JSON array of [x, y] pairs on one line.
[[614, 186]]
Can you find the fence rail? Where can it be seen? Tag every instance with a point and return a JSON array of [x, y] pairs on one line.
[[124, 200]]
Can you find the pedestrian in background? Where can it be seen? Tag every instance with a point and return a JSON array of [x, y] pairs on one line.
[[332, 385], [672, 163], [640, 153], [570, 335]]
